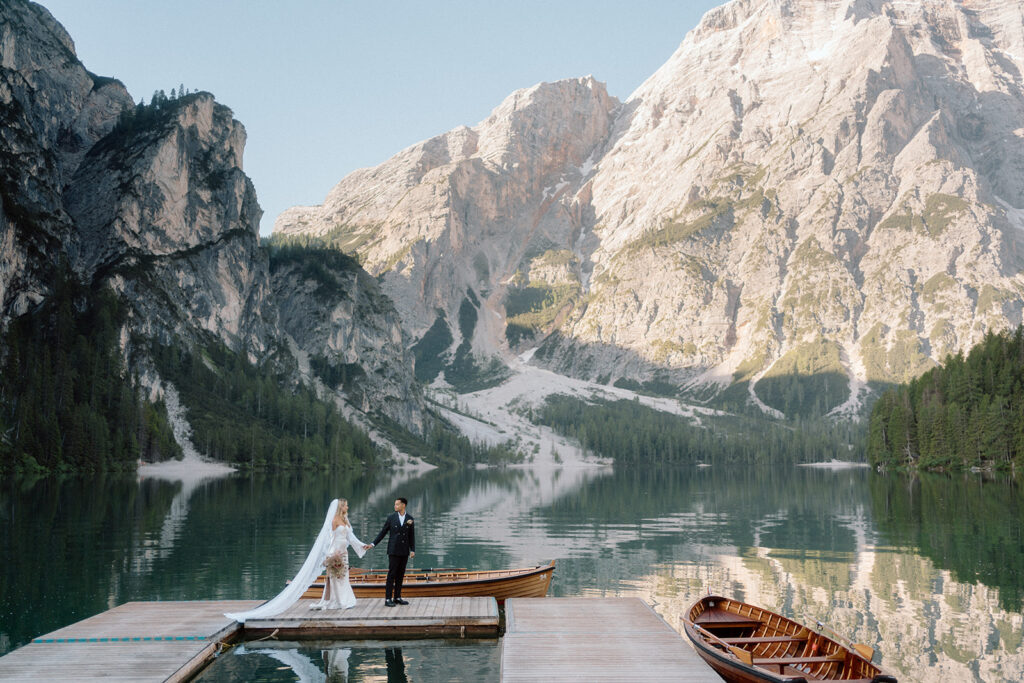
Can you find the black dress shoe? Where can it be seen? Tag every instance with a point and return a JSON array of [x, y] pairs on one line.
[[400, 601], [389, 603]]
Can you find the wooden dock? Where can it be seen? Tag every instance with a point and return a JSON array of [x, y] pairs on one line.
[[594, 639], [172, 641], [421, 618], [136, 641]]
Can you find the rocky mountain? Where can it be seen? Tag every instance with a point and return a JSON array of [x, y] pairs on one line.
[[164, 214], [457, 217], [340, 322], [53, 110], [151, 201], [809, 196]]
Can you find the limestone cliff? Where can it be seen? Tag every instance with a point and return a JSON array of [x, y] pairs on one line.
[[456, 217], [51, 112], [165, 215], [152, 202], [337, 315], [806, 188]]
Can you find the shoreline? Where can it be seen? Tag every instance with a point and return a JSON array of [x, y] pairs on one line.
[[186, 468], [834, 464]]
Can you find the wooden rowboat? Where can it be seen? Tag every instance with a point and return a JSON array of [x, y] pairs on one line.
[[529, 582], [747, 644]]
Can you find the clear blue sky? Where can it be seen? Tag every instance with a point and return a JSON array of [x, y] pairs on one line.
[[325, 87]]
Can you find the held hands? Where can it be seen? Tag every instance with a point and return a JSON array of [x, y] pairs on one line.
[[367, 546]]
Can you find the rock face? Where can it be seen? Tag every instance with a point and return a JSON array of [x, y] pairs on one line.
[[458, 215], [153, 203], [51, 112], [165, 214], [336, 313], [806, 187]]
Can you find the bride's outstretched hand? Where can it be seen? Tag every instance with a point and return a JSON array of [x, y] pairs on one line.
[[367, 546]]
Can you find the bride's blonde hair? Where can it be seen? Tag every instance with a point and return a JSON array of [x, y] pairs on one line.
[[340, 515]]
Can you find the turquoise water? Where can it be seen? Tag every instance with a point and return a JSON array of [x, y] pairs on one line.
[[930, 570]]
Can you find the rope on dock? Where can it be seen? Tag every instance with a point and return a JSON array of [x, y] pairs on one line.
[[223, 647]]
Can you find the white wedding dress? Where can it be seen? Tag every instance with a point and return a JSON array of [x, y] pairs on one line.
[[310, 569], [337, 590]]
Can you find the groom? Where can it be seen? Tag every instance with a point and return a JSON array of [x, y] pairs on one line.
[[401, 546]]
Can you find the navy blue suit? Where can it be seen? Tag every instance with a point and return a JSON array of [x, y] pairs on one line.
[[401, 541]]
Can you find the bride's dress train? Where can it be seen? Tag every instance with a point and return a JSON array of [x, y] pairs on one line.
[[308, 573], [337, 590]]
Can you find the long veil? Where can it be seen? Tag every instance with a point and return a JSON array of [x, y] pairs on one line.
[[294, 590], [301, 665]]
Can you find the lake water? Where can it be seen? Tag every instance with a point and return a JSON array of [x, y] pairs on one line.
[[929, 570]]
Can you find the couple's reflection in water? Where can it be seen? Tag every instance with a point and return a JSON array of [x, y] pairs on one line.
[[336, 662], [396, 665]]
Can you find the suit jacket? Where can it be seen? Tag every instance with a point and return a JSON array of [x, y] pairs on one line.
[[402, 537]]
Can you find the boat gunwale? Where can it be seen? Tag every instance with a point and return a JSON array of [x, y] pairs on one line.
[[735, 664], [537, 570], [755, 671]]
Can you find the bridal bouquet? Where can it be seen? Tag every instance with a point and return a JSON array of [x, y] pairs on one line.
[[336, 564]]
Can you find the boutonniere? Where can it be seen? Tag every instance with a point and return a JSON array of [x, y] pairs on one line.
[[408, 522]]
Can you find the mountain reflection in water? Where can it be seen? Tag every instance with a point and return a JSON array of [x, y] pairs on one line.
[[929, 570]]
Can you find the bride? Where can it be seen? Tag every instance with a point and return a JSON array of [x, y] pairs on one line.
[[337, 591], [335, 536]]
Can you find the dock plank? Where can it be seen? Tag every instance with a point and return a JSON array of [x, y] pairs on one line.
[[169, 620], [422, 617], [136, 641], [171, 641], [83, 661], [594, 639]]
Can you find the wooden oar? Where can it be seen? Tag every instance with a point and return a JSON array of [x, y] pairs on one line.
[[865, 651], [743, 655]]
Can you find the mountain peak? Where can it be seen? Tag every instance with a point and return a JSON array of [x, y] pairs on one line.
[[806, 187]]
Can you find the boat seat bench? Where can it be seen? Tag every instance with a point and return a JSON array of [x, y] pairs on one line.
[[764, 639], [761, 661], [710, 625]]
